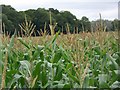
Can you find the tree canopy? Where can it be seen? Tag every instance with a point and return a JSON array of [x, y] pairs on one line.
[[41, 18]]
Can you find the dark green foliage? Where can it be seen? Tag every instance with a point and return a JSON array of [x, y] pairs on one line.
[[39, 17], [7, 25], [86, 26], [12, 18]]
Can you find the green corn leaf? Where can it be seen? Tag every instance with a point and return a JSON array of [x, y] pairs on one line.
[[55, 37], [67, 86], [11, 43], [116, 84], [57, 56], [103, 81], [25, 65], [86, 82], [71, 76], [36, 70], [44, 78], [42, 55], [14, 80], [69, 65], [60, 85], [23, 42], [113, 61], [58, 74], [1, 56], [34, 81]]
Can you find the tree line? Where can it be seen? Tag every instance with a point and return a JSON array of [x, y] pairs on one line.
[[42, 18]]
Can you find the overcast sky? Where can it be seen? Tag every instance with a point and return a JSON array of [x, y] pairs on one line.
[[88, 8]]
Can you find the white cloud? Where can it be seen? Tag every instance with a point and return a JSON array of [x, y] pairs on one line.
[[94, 15], [89, 8], [113, 13]]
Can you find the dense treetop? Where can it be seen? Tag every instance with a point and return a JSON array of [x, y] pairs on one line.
[[42, 18]]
